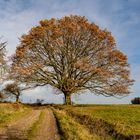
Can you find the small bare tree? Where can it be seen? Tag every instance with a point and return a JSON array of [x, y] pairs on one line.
[[15, 89], [3, 65]]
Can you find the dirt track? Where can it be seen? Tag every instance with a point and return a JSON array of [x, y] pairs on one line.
[[48, 129], [18, 129]]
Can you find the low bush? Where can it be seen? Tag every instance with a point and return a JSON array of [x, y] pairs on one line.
[[136, 100]]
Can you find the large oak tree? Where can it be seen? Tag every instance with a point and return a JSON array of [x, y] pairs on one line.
[[72, 55]]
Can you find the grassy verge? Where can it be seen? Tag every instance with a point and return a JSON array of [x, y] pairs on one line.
[[31, 133], [10, 112], [70, 129], [123, 120]]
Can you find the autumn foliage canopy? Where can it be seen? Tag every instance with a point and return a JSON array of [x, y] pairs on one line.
[[72, 55]]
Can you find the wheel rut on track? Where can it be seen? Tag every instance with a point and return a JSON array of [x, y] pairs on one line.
[[17, 130]]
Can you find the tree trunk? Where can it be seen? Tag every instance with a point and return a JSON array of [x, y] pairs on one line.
[[17, 97], [67, 99]]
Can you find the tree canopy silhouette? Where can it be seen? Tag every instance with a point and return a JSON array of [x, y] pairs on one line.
[[72, 55], [15, 89]]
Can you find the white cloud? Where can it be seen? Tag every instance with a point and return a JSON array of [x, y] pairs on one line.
[[47, 94]]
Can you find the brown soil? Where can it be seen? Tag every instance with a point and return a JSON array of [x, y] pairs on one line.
[[48, 129], [16, 130]]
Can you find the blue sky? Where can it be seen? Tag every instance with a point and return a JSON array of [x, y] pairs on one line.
[[121, 17]]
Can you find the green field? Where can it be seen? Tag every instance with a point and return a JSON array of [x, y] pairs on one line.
[[115, 121], [80, 122]]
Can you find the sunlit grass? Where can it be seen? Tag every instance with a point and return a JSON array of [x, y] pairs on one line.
[[70, 129], [125, 118], [10, 112]]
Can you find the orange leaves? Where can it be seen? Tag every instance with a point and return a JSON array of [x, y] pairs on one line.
[[20, 52], [47, 23], [37, 32], [118, 89], [118, 56], [28, 70], [106, 73], [83, 64], [67, 27], [94, 27], [78, 53]]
